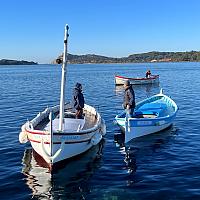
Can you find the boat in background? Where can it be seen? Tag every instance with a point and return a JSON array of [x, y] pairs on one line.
[[151, 115], [55, 134], [120, 80]]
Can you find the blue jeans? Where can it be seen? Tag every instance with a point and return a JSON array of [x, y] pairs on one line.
[[130, 112]]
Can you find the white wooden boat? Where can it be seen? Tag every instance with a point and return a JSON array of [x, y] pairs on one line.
[[120, 80], [55, 134], [151, 115]]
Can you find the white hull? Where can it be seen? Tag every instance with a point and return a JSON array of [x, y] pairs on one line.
[[120, 80], [64, 145], [154, 119], [135, 132], [65, 150]]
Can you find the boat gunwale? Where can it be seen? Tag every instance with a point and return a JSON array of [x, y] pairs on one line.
[[59, 133], [153, 77], [152, 119], [82, 132]]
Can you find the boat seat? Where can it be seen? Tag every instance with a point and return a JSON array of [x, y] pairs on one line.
[[70, 115], [70, 124], [145, 114]]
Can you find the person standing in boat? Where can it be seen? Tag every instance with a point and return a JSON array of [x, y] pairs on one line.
[[129, 98], [78, 100], [148, 74]]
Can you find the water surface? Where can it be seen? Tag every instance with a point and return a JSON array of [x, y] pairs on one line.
[[158, 166]]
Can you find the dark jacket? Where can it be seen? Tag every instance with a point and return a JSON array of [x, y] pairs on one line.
[[78, 99], [129, 97]]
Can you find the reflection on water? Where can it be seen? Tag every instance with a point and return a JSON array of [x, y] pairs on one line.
[[38, 178], [119, 89], [148, 89], [69, 180], [140, 147]]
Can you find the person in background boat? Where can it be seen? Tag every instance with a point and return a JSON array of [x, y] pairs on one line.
[[78, 100], [129, 98], [148, 74]]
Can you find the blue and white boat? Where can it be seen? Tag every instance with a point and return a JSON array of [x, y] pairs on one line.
[[151, 115]]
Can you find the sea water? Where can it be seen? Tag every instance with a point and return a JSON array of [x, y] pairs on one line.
[[159, 166]]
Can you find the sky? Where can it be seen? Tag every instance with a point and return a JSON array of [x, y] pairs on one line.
[[34, 30]]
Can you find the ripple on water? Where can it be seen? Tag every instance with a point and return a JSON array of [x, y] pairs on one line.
[[159, 166]]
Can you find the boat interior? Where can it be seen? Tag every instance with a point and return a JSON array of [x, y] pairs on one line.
[[88, 121], [150, 110]]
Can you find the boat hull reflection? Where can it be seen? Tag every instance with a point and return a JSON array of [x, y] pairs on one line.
[[135, 151], [68, 176]]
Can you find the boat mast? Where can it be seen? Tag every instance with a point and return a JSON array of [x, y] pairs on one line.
[[63, 80]]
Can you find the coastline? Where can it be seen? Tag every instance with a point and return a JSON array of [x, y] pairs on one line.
[[16, 62]]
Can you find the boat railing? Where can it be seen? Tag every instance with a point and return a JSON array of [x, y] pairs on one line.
[[45, 114]]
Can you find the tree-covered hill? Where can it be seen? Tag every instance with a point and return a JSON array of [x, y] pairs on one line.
[[154, 56], [16, 62]]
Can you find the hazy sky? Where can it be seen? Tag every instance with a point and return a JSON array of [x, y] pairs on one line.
[[34, 30]]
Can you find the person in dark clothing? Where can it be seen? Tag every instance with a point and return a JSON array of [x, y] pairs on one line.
[[129, 98], [148, 74], [78, 100]]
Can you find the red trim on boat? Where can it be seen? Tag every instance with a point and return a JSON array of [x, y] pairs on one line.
[[45, 133], [36, 132], [152, 77], [36, 141]]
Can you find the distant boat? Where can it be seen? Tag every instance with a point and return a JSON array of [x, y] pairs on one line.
[[120, 80], [55, 134], [151, 115]]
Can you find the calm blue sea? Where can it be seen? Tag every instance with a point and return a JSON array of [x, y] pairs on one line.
[[158, 166]]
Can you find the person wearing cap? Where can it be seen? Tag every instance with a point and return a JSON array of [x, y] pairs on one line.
[[78, 100], [129, 98]]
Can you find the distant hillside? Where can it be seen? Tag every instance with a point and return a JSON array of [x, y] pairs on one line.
[[88, 58], [16, 62], [154, 56]]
